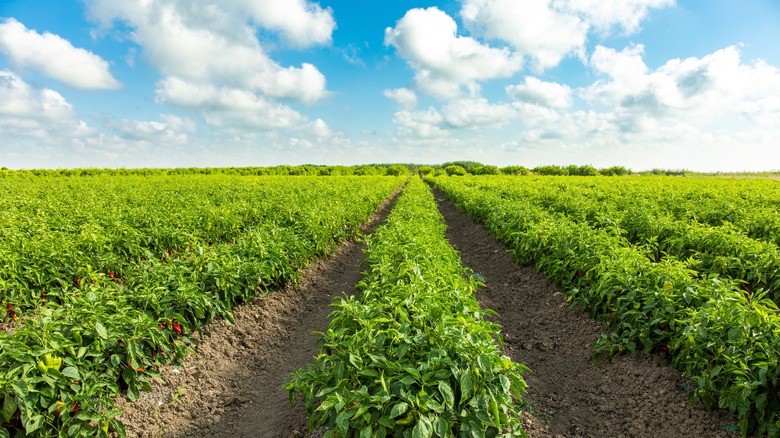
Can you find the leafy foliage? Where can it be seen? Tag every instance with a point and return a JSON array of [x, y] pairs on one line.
[[413, 355], [106, 279], [455, 170], [721, 334]]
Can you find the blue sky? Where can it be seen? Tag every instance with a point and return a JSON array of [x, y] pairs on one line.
[[169, 83]]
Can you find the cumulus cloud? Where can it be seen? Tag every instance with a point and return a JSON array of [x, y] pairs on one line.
[[215, 44], [604, 15], [170, 129], [428, 40], [546, 31], [404, 97], [300, 22], [227, 107], [41, 128], [535, 28], [420, 124], [708, 113], [41, 111], [703, 90], [537, 91], [477, 113], [465, 114], [54, 56]]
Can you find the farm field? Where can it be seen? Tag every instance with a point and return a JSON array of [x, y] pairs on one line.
[[661, 271], [684, 269], [105, 279]]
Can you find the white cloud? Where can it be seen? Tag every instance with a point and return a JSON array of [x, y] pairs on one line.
[[535, 28], [228, 108], [427, 39], [549, 30], [716, 112], [171, 129], [475, 114], [536, 91], [603, 15], [714, 91], [54, 56], [203, 42], [404, 97], [40, 128], [710, 113], [300, 22], [42, 110], [419, 124], [626, 70], [465, 114], [214, 63]]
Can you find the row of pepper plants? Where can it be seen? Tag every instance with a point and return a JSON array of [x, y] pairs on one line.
[[105, 279], [749, 205], [638, 212], [722, 337], [412, 355]]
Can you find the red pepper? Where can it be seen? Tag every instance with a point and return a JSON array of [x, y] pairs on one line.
[[111, 274], [177, 328]]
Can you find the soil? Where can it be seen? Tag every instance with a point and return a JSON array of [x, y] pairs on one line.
[[569, 395], [232, 387]]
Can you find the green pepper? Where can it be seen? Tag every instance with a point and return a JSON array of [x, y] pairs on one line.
[[49, 362]]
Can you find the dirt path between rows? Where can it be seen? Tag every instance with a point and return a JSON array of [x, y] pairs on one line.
[[569, 396], [232, 387]]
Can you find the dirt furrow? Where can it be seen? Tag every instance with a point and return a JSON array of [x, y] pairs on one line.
[[232, 387], [636, 395]]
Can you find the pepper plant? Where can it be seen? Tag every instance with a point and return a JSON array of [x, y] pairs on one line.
[[413, 354]]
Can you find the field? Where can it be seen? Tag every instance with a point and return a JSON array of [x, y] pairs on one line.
[[688, 267], [111, 282], [104, 279]]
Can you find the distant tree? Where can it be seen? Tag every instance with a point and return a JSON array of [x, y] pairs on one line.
[[515, 170], [425, 170], [550, 170], [455, 170], [300, 171], [369, 170], [468, 166], [615, 171], [397, 170], [586, 170], [487, 170]]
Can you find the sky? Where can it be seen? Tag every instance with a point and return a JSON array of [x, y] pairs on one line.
[[672, 84]]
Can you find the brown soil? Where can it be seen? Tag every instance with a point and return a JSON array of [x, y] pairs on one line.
[[568, 395], [232, 387]]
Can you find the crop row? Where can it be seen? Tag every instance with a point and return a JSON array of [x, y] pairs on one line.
[[721, 337], [725, 249], [750, 205], [61, 233], [163, 257], [412, 355]]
